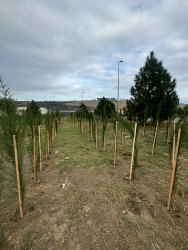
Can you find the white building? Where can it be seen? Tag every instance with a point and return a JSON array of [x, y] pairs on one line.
[[43, 111]]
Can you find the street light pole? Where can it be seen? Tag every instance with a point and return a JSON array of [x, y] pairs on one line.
[[118, 86]]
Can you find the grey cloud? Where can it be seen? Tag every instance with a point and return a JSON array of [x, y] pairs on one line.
[[64, 47]]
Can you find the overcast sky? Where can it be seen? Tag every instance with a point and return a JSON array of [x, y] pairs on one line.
[[56, 49]]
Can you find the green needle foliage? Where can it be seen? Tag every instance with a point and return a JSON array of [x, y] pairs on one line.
[[11, 124], [105, 108], [126, 125], [33, 118]]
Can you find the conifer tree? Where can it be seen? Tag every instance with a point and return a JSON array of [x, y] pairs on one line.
[[153, 93], [105, 109]]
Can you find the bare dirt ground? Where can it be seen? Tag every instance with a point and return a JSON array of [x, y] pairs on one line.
[[82, 201]]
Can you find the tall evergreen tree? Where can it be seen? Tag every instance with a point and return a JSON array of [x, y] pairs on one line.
[[153, 94]]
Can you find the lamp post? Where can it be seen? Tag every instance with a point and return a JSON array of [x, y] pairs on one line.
[[118, 86]]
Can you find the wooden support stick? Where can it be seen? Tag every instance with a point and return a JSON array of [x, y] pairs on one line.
[[115, 145], [174, 144], [46, 144], [50, 136], [122, 130], [155, 137], [55, 132], [82, 126], [144, 127], [149, 129], [104, 142], [88, 130], [168, 130], [40, 164], [92, 131], [34, 160], [18, 177], [96, 135], [174, 170], [52, 133], [132, 158]]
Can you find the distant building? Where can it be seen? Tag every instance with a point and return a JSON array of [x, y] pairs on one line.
[[43, 111]]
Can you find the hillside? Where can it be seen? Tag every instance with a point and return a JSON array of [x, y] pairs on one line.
[[66, 106]]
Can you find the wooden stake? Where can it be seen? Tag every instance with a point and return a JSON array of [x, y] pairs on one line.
[[40, 164], [92, 131], [55, 132], [81, 126], [132, 158], [50, 136], [174, 144], [174, 170], [96, 134], [18, 177], [52, 139], [115, 145], [34, 160], [122, 130], [46, 144], [104, 142], [149, 129], [144, 127], [168, 131], [88, 130], [155, 137]]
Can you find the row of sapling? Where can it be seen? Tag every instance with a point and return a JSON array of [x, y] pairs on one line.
[[106, 114], [12, 126], [13, 131], [134, 137], [153, 97]]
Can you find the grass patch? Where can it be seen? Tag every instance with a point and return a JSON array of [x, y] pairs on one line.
[[76, 202]]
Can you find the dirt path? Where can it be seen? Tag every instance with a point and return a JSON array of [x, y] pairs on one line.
[[81, 201]]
